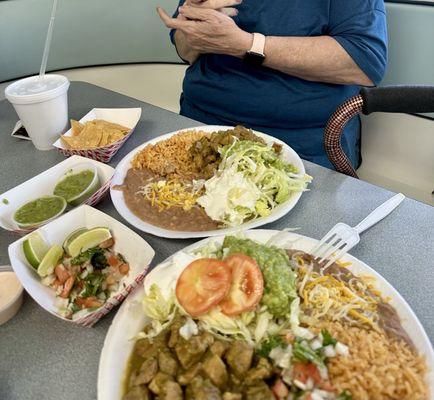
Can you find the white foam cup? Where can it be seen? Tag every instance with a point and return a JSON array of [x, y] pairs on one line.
[[42, 106]]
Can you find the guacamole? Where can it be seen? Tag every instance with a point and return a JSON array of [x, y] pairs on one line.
[[73, 185], [39, 210], [279, 278]]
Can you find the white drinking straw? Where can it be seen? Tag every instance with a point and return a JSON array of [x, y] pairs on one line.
[[48, 41]]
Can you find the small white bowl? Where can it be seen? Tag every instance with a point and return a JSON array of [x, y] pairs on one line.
[[10, 302], [94, 186]]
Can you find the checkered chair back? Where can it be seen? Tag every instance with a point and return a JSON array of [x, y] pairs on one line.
[[394, 99]]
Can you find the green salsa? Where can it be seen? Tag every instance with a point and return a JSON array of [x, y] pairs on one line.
[[279, 278], [39, 210], [73, 185]]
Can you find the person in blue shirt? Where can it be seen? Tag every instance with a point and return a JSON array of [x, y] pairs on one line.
[[316, 54]]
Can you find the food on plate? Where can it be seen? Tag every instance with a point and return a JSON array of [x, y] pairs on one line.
[[202, 285], [84, 272], [93, 134], [246, 320], [199, 181], [77, 187], [39, 211]]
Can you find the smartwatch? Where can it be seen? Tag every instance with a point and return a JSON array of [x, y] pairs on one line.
[[255, 55]]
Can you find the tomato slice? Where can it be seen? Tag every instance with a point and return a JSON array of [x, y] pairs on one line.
[[202, 285], [247, 285]]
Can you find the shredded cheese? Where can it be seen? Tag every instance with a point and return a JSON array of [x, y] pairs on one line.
[[172, 193], [326, 296]]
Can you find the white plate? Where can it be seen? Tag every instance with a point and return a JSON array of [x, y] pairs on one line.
[[288, 154], [136, 251], [128, 117], [130, 320], [43, 184]]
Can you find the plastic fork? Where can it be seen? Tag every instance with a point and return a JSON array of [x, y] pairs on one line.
[[342, 237]]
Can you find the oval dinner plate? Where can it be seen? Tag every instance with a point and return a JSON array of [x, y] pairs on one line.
[[117, 196], [130, 320]]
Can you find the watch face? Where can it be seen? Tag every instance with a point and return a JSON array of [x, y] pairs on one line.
[[254, 58]]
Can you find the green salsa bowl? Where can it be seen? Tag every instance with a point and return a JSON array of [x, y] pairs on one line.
[[39, 211], [78, 184]]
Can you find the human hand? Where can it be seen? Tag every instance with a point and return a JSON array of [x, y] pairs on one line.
[[209, 31], [224, 6]]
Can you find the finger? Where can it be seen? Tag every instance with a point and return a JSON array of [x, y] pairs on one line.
[[197, 13], [230, 11], [217, 4], [170, 22]]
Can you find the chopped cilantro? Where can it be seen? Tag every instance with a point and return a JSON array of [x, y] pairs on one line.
[[305, 354], [95, 253], [327, 338], [271, 343], [5, 201], [345, 395], [85, 256], [122, 258], [99, 260], [92, 285]]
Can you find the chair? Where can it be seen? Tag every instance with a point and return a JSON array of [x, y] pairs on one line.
[[393, 99]]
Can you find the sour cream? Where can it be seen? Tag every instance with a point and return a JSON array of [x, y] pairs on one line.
[[11, 295]]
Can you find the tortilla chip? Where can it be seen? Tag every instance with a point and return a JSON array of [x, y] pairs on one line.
[[91, 135], [115, 136], [111, 125], [76, 127], [105, 138], [94, 133]]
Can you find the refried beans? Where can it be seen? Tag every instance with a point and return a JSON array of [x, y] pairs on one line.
[[174, 218]]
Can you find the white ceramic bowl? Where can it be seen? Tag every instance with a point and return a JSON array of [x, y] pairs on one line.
[[10, 301], [90, 189]]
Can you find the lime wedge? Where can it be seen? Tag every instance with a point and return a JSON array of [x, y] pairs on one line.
[[50, 260], [91, 238], [34, 249], [72, 236]]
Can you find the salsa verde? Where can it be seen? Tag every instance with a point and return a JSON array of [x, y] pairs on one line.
[[73, 185]]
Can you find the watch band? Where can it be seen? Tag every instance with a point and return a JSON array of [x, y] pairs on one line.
[[258, 45]]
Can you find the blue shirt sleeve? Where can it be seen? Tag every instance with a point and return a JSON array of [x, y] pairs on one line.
[[359, 26]]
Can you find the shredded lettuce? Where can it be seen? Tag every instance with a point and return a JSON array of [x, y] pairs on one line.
[[220, 324], [159, 309], [250, 182], [294, 320]]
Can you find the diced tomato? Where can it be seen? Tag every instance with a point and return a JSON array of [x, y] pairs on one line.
[[56, 283], [113, 261], [202, 285], [88, 302], [61, 273], [280, 390], [302, 372], [327, 386], [124, 269], [247, 285], [308, 397], [67, 287]]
